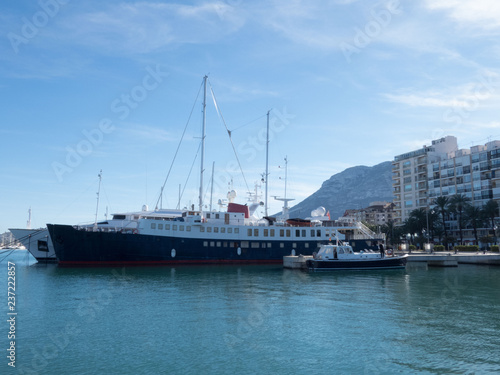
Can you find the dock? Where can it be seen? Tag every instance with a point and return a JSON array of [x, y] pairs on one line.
[[296, 262], [450, 259]]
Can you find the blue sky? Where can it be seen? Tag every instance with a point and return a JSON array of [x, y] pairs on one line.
[[90, 86]]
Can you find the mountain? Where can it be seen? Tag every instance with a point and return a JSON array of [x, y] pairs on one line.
[[353, 188]]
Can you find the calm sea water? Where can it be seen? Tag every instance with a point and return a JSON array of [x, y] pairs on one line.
[[251, 320]]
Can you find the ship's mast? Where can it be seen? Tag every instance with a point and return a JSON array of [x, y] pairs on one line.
[[203, 143], [28, 224], [98, 191], [285, 213], [267, 164]]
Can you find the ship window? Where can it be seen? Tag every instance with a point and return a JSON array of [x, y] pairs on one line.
[[216, 216], [224, 244], [229, 230], [153, 225], [297, 232], [288, 232], [272, 232], [269, 244], [306, 245], [223, 230], [249, 232], [174, 227], [216, 229], [318, 233], [202, 229], [167, 226], [303, 232], [282, 245], [160, 226], [254, 245], [219, 244], [208, 216], [188, 228], [209, 229], [294, 245], [244, 244], [212, 243], [256, 232], [312, 232], [237, 230], [205, 243], [282, 233], [181, 228], [118, 217], [266, 232], [263, 245]]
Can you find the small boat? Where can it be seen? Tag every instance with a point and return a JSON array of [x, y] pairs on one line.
[[342, 257]]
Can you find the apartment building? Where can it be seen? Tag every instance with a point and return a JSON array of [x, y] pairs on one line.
[[410, 175], [442, 169]]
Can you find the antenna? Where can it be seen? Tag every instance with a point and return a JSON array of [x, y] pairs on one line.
[[98, 191], [285, 212]]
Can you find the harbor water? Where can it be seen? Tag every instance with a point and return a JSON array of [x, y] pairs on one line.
[[249, 320]]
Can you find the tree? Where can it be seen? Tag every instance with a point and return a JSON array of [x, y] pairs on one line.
[[474, 217], [457, 205], [442, 207], [490, 211]]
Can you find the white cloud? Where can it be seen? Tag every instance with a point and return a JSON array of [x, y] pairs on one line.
[[147, 26], [477, 13]]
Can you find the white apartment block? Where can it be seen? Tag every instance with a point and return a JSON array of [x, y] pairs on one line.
[[441, 169], [410, 175]]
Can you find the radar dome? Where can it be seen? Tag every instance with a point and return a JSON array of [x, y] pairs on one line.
[[320, 211]]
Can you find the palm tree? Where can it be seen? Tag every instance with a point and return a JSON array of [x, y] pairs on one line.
[[442, 207], [474, 217], [490, 211], [457, 205]]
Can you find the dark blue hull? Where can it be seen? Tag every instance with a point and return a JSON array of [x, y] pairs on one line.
[[78, 247], [375, 264]]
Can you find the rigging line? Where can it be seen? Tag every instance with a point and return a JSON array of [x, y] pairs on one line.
[[179, 145], [248, 123], [190, 170], [229, 134]]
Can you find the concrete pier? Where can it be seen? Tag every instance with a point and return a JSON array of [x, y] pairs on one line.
[[460, 258], [296, 261]]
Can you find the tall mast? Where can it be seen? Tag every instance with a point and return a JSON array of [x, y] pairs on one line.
[[28, 224], [98, 191], [203, 142], [267, 164], [212, 186]]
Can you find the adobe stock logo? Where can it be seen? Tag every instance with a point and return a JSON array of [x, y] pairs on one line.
[[31, 26]]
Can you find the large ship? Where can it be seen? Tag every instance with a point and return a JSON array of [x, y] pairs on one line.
[[37, 242], [236, 235]]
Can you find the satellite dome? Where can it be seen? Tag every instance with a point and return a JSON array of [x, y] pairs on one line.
[[320, 211]]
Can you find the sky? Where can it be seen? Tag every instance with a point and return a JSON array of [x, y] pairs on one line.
[[115, 85]]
